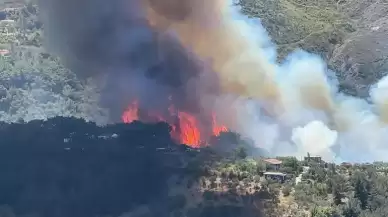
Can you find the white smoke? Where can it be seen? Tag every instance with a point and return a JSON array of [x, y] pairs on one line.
[[313, 117], [315, 138]]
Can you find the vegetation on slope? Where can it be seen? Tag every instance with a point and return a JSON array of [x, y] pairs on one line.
[[348, 34], [69, 167], [315, 26], [323, 190], [34, 84]]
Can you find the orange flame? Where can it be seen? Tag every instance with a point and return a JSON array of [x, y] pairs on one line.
[[190, 133], [132, 112], [217, 129], [187, 131]]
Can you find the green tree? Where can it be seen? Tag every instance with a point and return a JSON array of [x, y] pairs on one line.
[[241, 152], [316, 173], [378, 194], [260, 166], [286, 190], [338, 185], [351, 208], [332, 169], [361, 188], [321, 212], [291, 164]]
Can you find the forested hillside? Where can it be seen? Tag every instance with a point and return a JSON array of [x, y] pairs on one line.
[[68, 167], [34, 84]]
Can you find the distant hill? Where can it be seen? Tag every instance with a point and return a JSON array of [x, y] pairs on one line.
[[348, 34]]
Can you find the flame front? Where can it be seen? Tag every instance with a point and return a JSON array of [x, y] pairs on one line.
[[217, 129], [185, 130], [189, 131], [132, 112]]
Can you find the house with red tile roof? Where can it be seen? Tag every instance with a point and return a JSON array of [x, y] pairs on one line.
[[4, 52], [272, 163]]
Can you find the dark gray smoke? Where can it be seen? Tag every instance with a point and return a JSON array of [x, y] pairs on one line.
[[114, 40]]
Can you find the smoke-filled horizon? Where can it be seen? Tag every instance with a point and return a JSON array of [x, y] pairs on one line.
[[211, 58]]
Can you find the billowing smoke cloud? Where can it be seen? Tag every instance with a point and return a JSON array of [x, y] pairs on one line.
[[305, 113], [315, 137], [115, 40], [208, 57]]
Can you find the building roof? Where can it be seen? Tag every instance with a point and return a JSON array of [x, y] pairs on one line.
[[313, 156], [275, 173], [4, 52], [273, 161]]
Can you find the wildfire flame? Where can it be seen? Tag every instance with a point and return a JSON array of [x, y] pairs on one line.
[[132, 112], [189, 131], [186, 130], [217, 129]]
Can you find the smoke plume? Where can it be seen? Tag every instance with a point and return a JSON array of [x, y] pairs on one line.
[[115, 40], [205, 56]]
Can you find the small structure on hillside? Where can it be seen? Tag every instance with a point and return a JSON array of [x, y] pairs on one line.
[[316, 159], [4, 52], [281, 177], [346, 164], [272, 164]]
